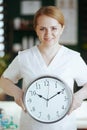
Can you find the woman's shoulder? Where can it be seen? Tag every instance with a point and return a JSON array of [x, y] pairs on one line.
[[27, 51], [70, 52], [26, 55]]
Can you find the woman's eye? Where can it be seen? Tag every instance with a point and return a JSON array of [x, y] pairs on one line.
[[54, 28], [42, 29]]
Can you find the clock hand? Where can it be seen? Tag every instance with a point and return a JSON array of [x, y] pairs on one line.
[[41, 96], [47, 97], [56, 94], [53, 96], [44, 98], [47, 103]]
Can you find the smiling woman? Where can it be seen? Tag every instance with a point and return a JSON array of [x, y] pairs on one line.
[[49, 25], [47, 58], [48, 33]]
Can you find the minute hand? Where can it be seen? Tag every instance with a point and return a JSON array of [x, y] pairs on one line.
[[55, 94]]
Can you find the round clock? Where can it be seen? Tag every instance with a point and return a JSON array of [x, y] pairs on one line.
[[48, 99]]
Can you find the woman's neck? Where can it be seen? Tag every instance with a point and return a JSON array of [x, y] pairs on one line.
[[49, 49], [48, 52]]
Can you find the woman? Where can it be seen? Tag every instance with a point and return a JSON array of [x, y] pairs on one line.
[[47, 58]]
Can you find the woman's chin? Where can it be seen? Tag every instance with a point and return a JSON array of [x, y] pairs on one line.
[[49, 42]]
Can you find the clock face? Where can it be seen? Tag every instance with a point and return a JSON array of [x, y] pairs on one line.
[[48, 99]]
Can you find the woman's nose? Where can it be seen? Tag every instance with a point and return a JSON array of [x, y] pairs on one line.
[[48, 32]]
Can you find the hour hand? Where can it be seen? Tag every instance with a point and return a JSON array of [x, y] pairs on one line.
[[41, 96]]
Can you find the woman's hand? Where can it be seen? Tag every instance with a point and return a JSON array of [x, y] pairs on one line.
[[19, 99], [11, 89], [76, 102], [78, 98]]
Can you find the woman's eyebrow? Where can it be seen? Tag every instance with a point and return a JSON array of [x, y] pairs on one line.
[[50, 26]]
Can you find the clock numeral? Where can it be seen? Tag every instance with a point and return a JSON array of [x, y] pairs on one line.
[[66, 98], [48, 116], [57, 113], [56, 84], [46, 83], [33, 93], [63, 107], [29, 100], [39, 115], [33, 109], [63, 91], [38, 86]]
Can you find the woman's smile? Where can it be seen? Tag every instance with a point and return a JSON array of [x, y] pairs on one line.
[[48, 30]]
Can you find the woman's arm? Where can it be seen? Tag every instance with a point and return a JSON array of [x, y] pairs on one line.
[[78, 98], [12, 90]]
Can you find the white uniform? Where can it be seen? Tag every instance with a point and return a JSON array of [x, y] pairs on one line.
[[66, 65]]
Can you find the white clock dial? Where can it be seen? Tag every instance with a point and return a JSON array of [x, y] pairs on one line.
[[48, 99]]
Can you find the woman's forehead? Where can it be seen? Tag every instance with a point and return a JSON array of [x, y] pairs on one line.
[[46, 21]]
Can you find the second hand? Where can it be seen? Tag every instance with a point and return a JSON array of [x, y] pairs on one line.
[[47, 96]]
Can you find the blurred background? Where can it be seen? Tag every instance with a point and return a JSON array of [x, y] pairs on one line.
[[16, 28]]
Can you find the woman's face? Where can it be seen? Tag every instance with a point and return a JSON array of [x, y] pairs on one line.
[[48, 30]]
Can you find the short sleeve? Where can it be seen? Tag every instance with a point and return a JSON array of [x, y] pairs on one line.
[[13, 71], [80, 71]]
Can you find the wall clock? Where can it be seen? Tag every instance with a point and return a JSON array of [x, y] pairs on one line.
[[47, 99]]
